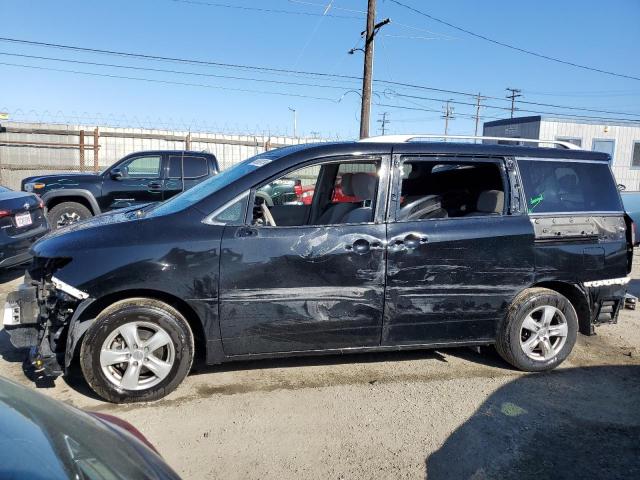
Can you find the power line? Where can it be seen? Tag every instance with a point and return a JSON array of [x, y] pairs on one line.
[[272, 70], [513, 47], [179, 72], [539, 112], [265, 10], [169, 82]]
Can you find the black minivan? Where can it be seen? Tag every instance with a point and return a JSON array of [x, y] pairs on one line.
[[429, 244]]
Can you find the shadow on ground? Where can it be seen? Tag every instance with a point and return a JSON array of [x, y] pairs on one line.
[[574, 423]]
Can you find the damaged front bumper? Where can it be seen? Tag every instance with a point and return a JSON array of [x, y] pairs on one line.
[[37, 317]]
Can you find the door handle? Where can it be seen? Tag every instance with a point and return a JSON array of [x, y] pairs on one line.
[[154, 185], [245, 232], [360, 246], [410, 241]]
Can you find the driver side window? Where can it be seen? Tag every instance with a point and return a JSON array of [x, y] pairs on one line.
[[332, 193]]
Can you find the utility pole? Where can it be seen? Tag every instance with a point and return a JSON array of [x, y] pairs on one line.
[[448, 115], [295, 122], [367, 74], [383, 122], [479, 98], [515, 93]]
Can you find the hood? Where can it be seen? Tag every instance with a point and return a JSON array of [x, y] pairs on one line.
[[63, 180]]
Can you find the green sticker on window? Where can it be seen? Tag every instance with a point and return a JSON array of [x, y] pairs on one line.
[[535, 201]]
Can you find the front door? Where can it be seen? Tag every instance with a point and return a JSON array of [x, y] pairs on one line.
[[457, 252], [140, 182], [312, 281]]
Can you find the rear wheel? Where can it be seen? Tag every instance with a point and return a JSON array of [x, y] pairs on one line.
[[67, 213], [539, 330], [137, 350]]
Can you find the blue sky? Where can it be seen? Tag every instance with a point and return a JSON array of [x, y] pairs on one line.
[[412, 49]]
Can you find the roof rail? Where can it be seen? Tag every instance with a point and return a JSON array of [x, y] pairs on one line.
[[405, 138]]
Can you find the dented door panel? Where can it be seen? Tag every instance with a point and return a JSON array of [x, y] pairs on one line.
[[301, 288], [456, 284]]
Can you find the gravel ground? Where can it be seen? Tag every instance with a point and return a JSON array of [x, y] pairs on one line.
[[441, 414]]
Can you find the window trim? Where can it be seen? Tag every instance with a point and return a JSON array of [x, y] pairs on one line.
[[379, 214], [612, 140], [210, 219], [631, 165], [396, 185], [206, 174]]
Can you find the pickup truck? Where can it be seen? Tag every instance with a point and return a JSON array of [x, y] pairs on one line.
[[138, 178]]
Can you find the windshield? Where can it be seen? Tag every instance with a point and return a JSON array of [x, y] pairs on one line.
[[219, 181]]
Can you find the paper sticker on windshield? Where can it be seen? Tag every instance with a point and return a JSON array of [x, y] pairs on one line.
[[260, 162]]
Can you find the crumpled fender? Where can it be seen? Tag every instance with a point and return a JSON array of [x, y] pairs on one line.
[[77, 329]]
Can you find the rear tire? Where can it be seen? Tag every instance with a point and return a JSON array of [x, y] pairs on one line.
[[114, 355], [67, 213], [539, 330]]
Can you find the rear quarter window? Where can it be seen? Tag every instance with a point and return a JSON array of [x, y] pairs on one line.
[[568, 186]]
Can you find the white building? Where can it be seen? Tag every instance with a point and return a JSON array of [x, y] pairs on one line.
[[620, 140]]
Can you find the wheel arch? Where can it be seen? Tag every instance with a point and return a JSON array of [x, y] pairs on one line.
[[83, 197], [86, 316], [578, 299]]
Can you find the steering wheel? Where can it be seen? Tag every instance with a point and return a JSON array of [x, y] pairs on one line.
[[410, 210], [267, 214]]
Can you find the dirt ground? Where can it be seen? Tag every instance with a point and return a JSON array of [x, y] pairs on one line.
[[443, 414]]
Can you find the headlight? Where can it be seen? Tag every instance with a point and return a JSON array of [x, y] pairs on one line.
[[31, 186]]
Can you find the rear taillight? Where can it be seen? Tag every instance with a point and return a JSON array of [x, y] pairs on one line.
[[5, 213]]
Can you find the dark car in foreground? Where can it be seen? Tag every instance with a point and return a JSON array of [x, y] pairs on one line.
[[136, 179], [22, 222], [444, 244], [45, 438]]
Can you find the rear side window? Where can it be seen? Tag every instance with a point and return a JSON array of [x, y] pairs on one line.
[[194, 167], [563, 187]]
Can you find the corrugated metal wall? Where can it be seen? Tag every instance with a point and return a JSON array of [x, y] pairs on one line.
[[34, 158], [624, 137]]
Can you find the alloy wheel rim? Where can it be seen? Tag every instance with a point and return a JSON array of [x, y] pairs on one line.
[[137, 356], [543, 333], [68, 218]]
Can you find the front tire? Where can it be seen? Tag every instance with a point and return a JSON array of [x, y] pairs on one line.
[[67, 213], [539, 330], [137, 350]]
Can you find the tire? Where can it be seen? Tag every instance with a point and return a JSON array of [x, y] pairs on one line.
[[150, 317], [67, 213], [520, 344]]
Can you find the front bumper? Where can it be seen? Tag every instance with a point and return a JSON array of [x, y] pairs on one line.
[[36, 317]]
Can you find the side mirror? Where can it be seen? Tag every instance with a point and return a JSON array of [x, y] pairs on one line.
[[116, 174], [621, 187]]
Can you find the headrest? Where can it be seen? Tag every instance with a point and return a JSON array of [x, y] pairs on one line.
[[491, 201], [568, 182], [364, 185], [346, 184]]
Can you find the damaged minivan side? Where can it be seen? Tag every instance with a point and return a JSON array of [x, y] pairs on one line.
[[395, 246]]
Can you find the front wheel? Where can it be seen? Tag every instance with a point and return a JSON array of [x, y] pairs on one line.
[[539, 330], [67, 213], [137, 350]]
